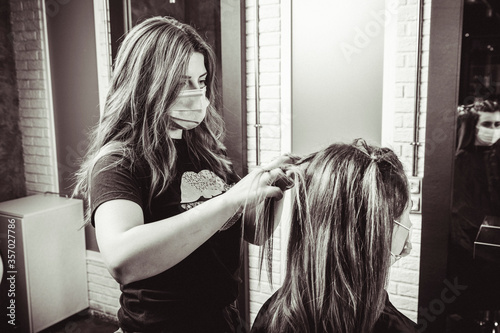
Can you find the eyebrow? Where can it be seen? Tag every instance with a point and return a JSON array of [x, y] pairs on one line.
[[188, 76]]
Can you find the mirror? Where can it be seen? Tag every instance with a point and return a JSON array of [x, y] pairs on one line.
[[474, 242]]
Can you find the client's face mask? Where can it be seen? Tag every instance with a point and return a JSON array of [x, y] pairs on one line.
[[407, 244], [190, 108], [487, 136]]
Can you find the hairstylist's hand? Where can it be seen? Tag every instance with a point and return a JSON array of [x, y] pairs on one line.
[[263, 182]]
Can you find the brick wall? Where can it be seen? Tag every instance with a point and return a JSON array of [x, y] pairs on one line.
[[104, 291], [269, 79], [403, 285], [36, 118], [404, 81], [269, 28]]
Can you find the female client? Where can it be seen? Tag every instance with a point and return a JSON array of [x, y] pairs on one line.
[[350, 222]]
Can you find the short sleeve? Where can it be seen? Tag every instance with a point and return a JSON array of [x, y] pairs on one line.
[[113, 178]]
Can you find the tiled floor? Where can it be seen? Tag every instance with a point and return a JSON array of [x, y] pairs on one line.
[[82, 323]]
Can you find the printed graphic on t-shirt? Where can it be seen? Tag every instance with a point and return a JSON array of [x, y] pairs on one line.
[[199, 187]]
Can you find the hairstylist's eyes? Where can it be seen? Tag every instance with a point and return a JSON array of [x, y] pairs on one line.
[[188, 84], [202, 80]]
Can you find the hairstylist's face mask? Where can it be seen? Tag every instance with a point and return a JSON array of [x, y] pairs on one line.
[[488, 128], [190, 108]]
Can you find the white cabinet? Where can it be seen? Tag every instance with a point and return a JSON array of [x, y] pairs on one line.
[[42, 245]]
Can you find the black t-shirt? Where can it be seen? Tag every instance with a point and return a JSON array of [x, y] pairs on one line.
[[390, 321], [476, 193], [196, 289]]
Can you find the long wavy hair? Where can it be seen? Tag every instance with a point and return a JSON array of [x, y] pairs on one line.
[[147, 79], [346, 199]]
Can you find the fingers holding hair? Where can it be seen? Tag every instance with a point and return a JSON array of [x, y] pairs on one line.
[[269, 181]]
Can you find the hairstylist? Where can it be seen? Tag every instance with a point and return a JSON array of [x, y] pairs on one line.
[[162, 194]]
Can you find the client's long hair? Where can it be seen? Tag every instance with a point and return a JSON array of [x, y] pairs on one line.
[[347, 197]]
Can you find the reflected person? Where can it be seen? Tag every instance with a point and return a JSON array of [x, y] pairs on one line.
[[476, 194]]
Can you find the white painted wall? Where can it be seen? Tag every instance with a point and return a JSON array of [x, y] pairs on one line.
[[337, 70]]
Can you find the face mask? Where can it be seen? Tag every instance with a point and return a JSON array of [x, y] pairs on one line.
[[407, 247], [190, 108], [406, 251], [487, 136]]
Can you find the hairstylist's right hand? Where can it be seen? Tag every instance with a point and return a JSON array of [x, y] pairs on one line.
[[261, 183]]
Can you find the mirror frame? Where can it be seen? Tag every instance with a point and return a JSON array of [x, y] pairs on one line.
[[443, 89]]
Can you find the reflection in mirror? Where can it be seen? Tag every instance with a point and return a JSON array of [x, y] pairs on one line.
[[480, 60], [474, 247]]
